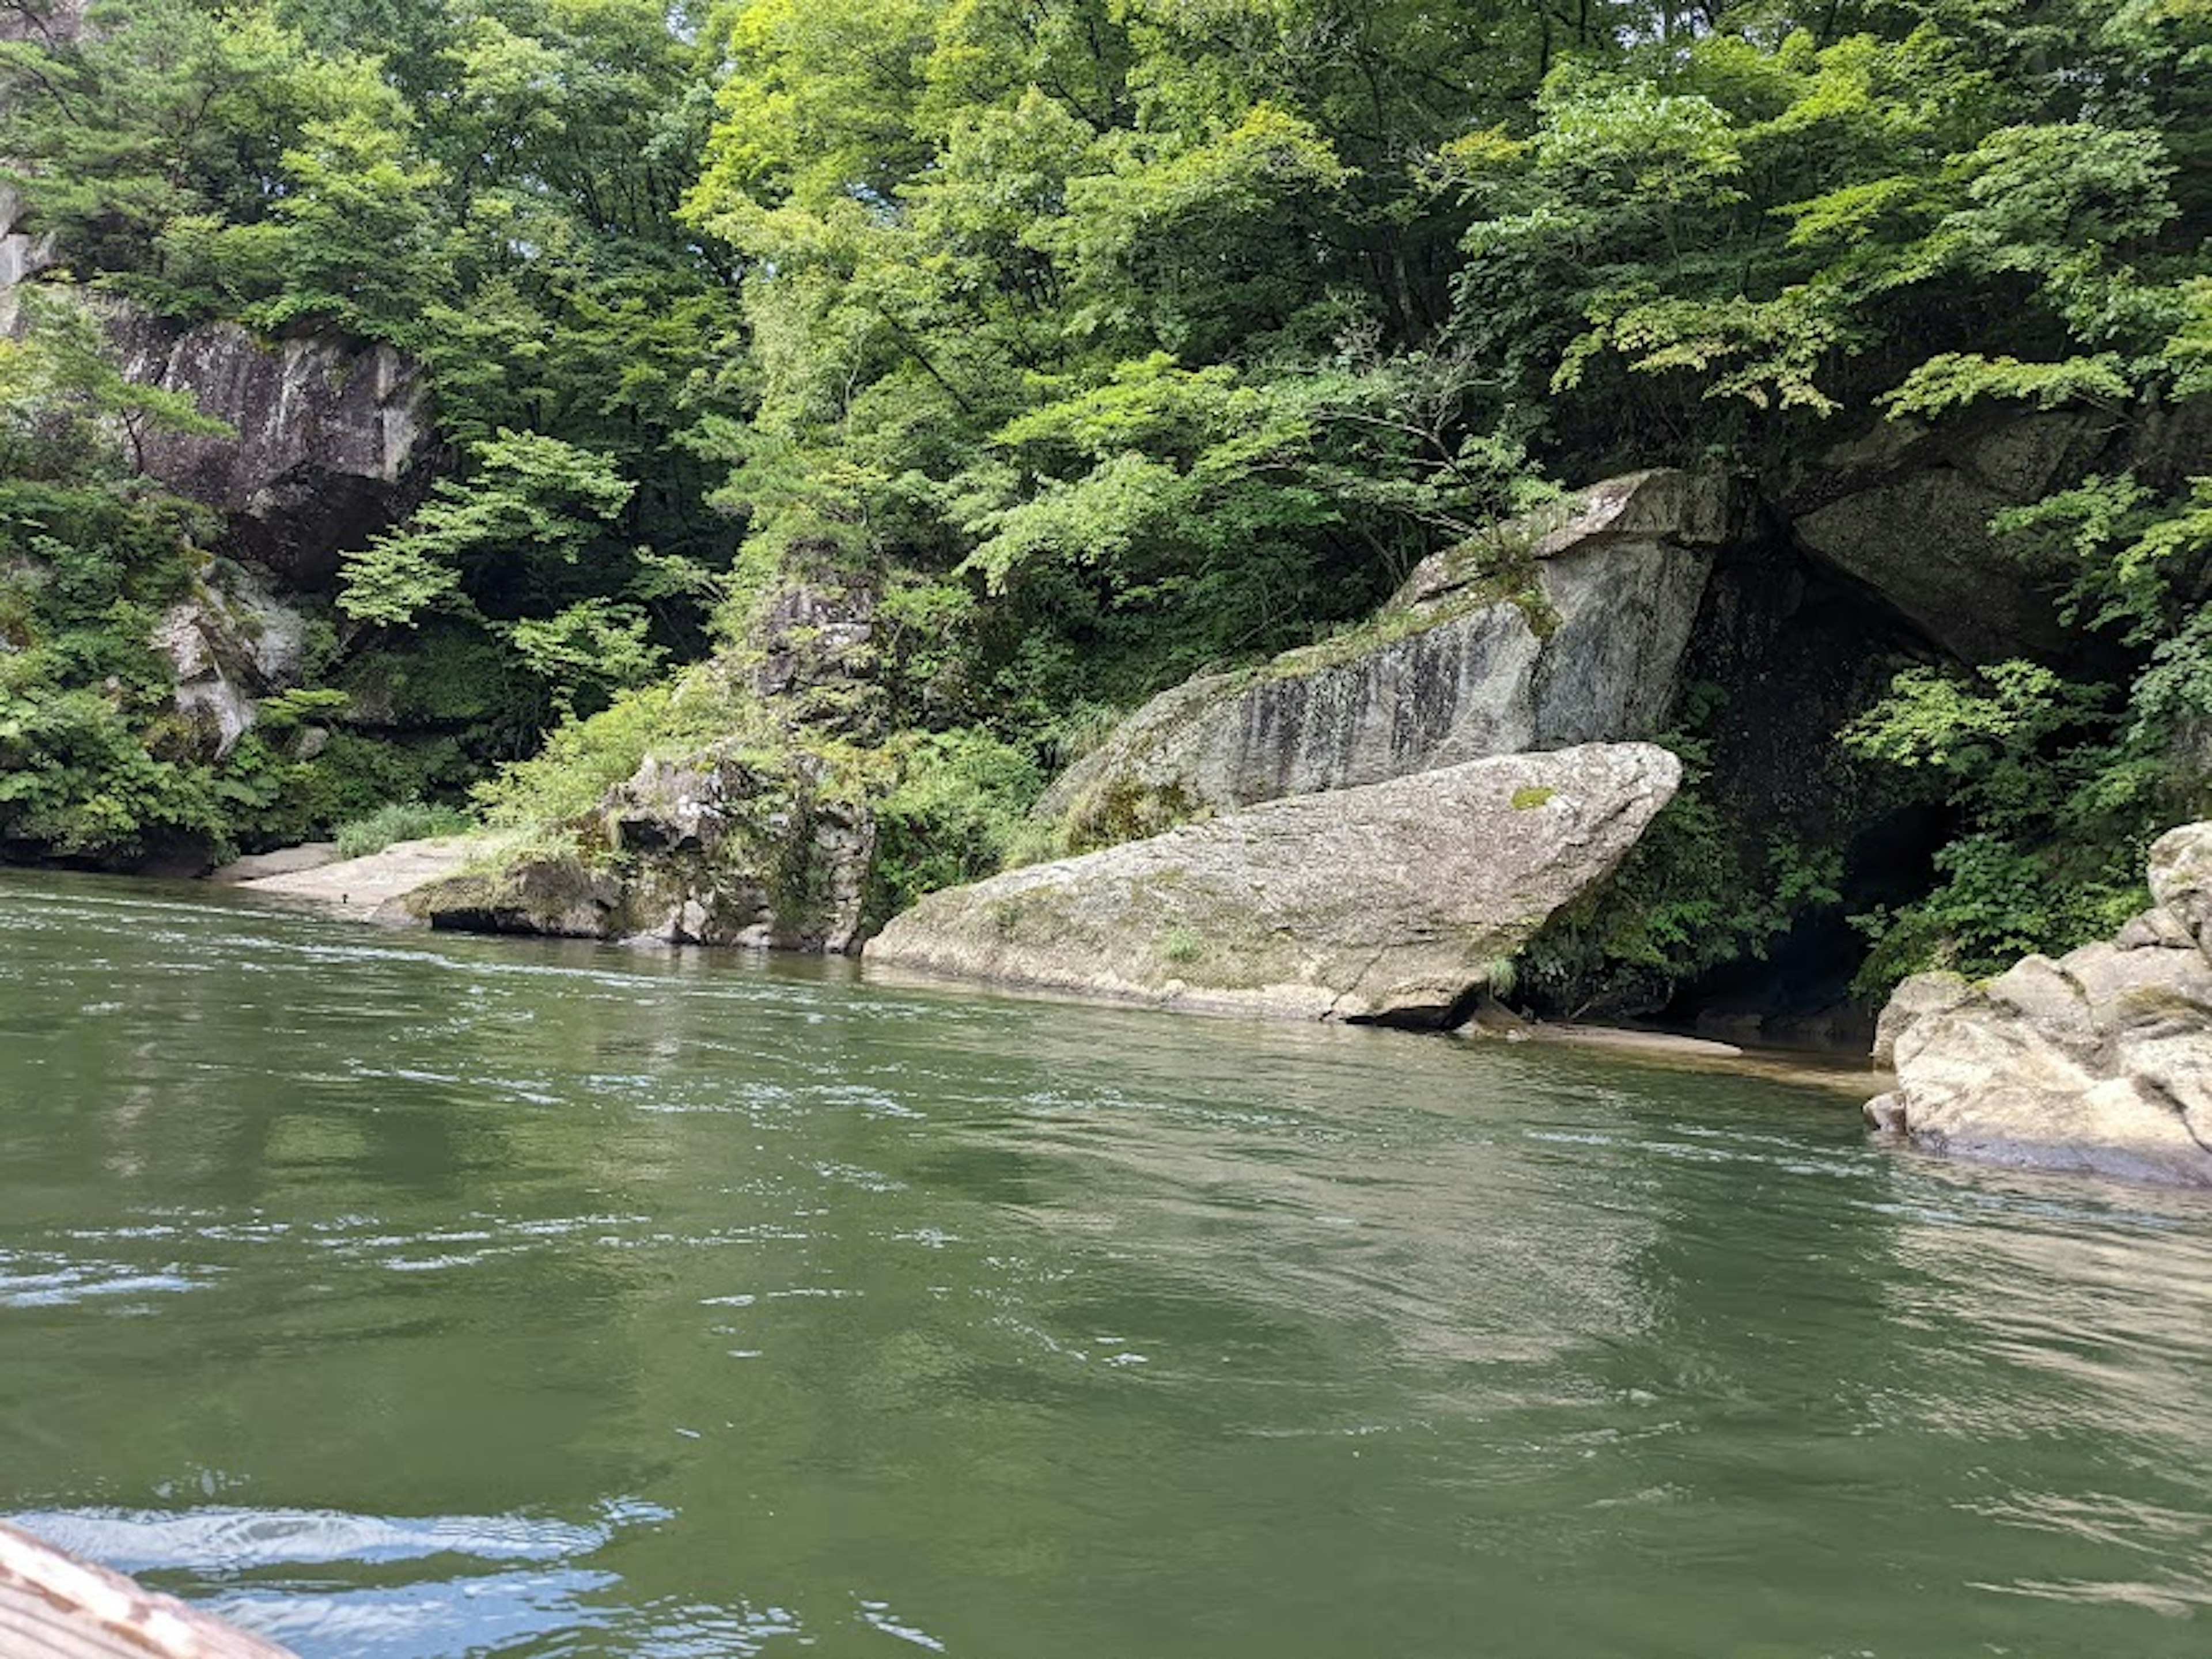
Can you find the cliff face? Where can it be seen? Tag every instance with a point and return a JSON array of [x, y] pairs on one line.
[[330, 439], [330, 442]]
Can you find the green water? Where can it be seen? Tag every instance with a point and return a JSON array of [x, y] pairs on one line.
[[408, 1299]]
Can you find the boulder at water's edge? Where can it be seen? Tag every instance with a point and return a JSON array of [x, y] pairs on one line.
[[2100, 1060], [1392, 901]]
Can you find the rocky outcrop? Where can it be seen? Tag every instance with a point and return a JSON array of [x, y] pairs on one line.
[[763, 838], [329, 438], [231, 644], [1561, 629], [1907, 508], [1391, 901], [2100, 1060], [48, 22], [728, 846]]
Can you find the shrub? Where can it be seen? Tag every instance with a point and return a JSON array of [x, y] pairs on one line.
[[398, 821]]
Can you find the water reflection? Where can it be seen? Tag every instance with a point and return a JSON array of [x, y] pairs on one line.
[[411, 1298]]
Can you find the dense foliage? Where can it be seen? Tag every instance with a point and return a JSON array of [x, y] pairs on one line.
[[1107, 339]]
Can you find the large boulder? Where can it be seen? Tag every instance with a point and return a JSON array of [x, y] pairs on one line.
[[1391, 901], [229, 645], [2100, 1060], [1564, 628]]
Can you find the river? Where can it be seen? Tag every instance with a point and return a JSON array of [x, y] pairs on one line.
[[409, 1298]]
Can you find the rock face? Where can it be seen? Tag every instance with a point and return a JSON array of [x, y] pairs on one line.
[[1906, 511], [22, 254], [232, 643], [1390, 901], [333, 439], [2101, 1060], [1562, 629], [728, 846], [330, 436]]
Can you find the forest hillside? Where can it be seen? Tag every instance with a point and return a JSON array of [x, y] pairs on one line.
[[891, 395]]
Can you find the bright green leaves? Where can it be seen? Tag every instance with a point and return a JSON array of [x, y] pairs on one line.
[[533, 503], [1768, 352], [1660, 208], [208, 162], [591, 648], [67, 410], [522, 548], [1160, 478], [2057, 811]]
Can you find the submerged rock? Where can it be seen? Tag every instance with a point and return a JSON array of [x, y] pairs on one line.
[[1560, 628], [2100, 1060], [1391, 901]]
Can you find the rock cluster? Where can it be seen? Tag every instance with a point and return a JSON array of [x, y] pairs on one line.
[[1392, 901], [2100, 1060]]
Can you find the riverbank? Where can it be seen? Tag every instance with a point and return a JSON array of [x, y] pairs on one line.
[[367, 889]]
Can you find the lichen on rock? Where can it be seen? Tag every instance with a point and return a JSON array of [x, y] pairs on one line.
[[1584, 645]]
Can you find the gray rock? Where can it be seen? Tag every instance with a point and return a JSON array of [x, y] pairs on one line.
[[233, 642], [1390, 901], [1456, 669], [2156, 928], [331, 436], [560, 896], [1915, 1000], [23, 252], [2101, 1060], [1906, 510], [331, 440], [2181, 879], [49, 22]]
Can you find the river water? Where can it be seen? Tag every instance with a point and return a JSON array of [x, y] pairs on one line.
[[409, 1298]]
